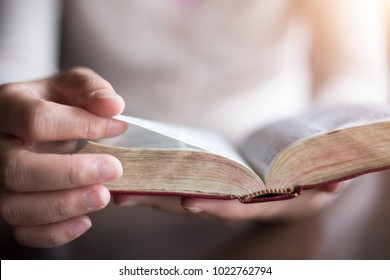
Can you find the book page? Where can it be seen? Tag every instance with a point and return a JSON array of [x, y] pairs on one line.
[[262, 147], [147, 134]]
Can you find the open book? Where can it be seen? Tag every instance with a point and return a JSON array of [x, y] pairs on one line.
[[276, 162]]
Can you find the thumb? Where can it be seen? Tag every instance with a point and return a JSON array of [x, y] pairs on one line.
[[82, 87]]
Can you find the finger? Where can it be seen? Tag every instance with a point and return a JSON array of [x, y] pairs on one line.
[[166, 203], [39, 208], [52, 235], [24, 171], [332, 188], [82, 87], [34, 119], [229, 209], [309, 202], [57, 147]]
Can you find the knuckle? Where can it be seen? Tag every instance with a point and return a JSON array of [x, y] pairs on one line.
[[93, 128], [53, 239], [12, 174], [5, 211], [10, 104], [35, 119], [9, 87], [13, 88], [72, 171], [79, 71], [9, 212], [93, 83], [74, 73], [60, 209], [77, 173], [45, 237], [21, 235], [87, 80]]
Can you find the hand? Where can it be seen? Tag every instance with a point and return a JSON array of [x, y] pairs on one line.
[[309, 202], [44, 192]]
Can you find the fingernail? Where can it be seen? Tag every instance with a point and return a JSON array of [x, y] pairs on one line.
[[193, 209], [105, 93], [108, 170], [116, 128], [81, 226], [94, 200]]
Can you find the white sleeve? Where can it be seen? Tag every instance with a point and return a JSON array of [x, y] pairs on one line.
[[29, 34]]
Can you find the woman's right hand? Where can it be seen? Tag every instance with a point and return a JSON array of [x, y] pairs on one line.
[[46, 190]]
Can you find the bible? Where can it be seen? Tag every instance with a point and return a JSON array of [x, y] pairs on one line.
[[275, 162]]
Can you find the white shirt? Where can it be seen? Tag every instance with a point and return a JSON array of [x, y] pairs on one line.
[[228, 65]]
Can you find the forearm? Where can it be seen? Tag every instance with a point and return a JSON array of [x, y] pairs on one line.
[[29, 33]]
